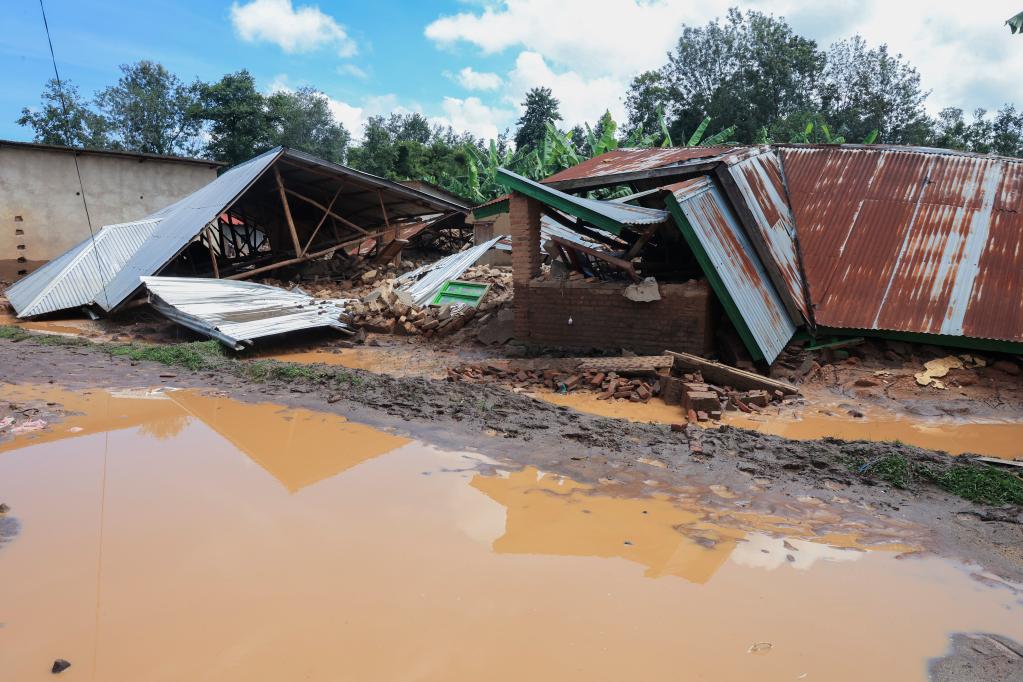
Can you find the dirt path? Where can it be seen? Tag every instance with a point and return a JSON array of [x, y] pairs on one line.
[[640, 458]]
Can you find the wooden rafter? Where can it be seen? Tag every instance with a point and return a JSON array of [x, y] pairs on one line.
[[287, 212]]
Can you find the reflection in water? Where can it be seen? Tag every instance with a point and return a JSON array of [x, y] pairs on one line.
[[553, 515], [177, 558], [297, 447], [992, 438]]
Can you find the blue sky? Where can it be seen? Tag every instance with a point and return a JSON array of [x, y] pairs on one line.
[[469, 63]]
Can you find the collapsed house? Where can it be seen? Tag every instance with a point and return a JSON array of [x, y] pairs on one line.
[[703, 244], [281, 209]]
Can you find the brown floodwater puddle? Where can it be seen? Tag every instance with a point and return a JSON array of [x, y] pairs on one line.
[[172, 535], [382, 361], [61, 327], [990, 437]]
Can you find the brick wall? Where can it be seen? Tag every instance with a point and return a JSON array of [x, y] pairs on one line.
[[603, 318], [524, 218]]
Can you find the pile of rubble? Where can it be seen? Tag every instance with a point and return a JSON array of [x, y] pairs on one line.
[[382, 307], [638, 379]]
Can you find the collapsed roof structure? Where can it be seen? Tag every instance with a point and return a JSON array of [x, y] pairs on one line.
[[284, 207], [913, 243]]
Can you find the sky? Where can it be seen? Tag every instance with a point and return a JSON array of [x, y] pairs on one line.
[[469, 63]]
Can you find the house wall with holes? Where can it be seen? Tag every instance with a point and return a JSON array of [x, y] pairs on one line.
[[41, 210]]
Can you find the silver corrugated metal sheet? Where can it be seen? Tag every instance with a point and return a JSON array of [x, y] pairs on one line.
[[732, 266], [107, 273], [581, 207], [422, 284], [80, 276], [757, 176], [235, 313]]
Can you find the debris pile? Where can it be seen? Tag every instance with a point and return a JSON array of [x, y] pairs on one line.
[[703, 389], [381, 306]]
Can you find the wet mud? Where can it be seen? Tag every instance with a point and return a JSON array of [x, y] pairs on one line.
[[636, 459], [183, 534]]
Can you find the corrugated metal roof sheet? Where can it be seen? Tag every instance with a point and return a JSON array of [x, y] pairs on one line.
[[423, 283], [235, 313], [913, 240], [732, 266], [609, 215], [144, 247], [757, 176], [631, 159], [78, 277]]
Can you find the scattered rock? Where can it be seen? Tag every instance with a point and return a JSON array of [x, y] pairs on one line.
[[1007, 367], [59, 666], [369, 276]]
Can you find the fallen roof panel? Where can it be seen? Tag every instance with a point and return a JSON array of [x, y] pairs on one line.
[[732, 266], [236, 313], [755, 184], [422, 284], [607, 215], [144, 247], [910, 240]]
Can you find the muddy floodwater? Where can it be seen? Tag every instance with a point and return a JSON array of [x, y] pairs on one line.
[[177, 535], [994, 438]]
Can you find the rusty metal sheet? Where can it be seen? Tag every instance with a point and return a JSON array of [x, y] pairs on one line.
[[910, 239], [733, 267], [757, 177], [630, 160]]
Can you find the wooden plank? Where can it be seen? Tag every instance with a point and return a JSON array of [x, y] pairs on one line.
[[287, 212], [725, 375], [390, 250], [326, 214], [617, 263], [313, 202]]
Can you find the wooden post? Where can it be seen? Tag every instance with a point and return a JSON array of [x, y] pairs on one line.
[[326, 214], [287, 212], [387, 224], [213, 255]]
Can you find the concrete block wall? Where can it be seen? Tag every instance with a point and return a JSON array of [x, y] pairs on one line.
[[579, 314]]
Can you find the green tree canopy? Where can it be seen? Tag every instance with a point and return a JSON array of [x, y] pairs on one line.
[[301, 119], [150, 110], [541, 108], [236, 116], [81, 127]]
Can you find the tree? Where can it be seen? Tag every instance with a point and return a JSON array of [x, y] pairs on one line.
[[236, 116], [151, 110], [66, 119], [751, 70], [301, 119], [541, 108], [866, 89]]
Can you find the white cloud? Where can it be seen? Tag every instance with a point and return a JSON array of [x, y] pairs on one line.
[[352, 70], [964, 53], [473, 116], [582, 99], [293, 30], [470, 79]]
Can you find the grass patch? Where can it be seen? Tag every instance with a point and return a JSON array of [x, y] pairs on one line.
[[977, 483], [967, 479], [198, 356]]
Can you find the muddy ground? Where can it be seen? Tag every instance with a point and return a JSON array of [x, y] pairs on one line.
[[519, 430]]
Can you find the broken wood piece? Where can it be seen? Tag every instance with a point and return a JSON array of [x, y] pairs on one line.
[[729, 376]]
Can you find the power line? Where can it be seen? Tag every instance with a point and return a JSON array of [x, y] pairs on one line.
[[78, 170]]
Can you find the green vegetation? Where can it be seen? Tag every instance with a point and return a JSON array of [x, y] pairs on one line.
[[971, 480], [198, 356]]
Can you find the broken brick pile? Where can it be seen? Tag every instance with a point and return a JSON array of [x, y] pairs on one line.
[[699, 400], [380, 307]]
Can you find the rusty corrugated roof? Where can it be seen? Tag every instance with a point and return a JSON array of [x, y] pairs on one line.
[[909, 239], [753, 179], [732, 266], [630, 160]]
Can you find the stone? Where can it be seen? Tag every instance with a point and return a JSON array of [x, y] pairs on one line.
[[1006, 367], [643, 292], [59, 666], [369, 276], [866, 382]]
